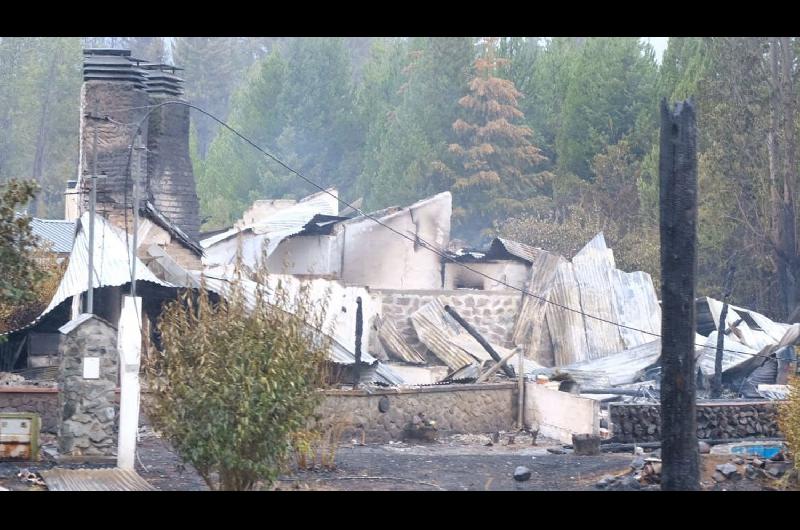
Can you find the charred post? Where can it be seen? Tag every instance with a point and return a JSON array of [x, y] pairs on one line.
[[678, 219], [716, 387], [359, 332]]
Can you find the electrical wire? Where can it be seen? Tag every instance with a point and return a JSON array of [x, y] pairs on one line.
[[416, 239]]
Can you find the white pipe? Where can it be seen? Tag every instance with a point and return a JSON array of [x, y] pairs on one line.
[[129, 344]]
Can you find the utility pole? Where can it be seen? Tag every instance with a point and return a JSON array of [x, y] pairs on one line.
[[92, 208], [716, 386], [138, 148], [678, 204]]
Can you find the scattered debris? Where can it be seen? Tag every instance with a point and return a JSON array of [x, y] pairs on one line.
[[421, 429], [704, 448], [32, 477], [586, 444]]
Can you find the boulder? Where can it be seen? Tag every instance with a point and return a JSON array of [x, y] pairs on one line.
[[522, 473]]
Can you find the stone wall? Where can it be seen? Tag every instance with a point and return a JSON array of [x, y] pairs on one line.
[[88, 406], [42, 401], [715, 420], [455, 409], [492, 313]]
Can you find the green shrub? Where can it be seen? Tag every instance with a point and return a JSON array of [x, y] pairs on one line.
[[236, 380]]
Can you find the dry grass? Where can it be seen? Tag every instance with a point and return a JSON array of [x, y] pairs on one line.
[[316, 447]]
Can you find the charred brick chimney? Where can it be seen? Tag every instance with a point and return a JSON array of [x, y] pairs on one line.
[[124, 89], [112, 87], [170, 180]]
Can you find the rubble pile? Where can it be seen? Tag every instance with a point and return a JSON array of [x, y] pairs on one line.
[[645, 471], [9, 379]]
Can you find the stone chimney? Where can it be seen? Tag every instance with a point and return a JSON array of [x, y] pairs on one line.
[[119, 90]]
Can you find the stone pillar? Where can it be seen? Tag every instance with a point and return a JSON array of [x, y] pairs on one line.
[[87, 381]]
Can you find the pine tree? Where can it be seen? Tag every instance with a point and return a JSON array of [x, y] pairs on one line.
[[611, 87], [496, 159], [414, 133]]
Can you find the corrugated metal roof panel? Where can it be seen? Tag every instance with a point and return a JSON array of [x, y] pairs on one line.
[[592, 266], [439, 332], [567, 330], [59, 233], [394, 344], [340, 353], [286, 221], [636, 305], [515, 248], [116, 479], [111, 266]]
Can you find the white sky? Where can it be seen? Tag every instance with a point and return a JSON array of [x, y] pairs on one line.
[[659, 44]]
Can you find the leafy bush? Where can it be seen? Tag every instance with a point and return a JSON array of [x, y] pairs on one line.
[[236, 379]]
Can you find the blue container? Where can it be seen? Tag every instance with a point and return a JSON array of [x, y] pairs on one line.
[[764, 451]]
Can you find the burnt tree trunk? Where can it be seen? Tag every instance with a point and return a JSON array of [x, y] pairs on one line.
[[782, 172], [678, 205], [716, 386]]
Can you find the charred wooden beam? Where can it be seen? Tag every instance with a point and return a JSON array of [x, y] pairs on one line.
[[477, 336], [678, 208], [359, 332]]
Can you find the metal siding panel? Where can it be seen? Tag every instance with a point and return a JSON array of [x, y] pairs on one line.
[[531, 315]]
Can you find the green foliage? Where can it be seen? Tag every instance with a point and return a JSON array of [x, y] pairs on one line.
[[236, 380], [611, 86], [20, 273], [40, 81], [581, 209], [404, 142], [298, 104]]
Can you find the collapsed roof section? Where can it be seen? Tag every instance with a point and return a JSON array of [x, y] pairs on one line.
[[221, 249], [339, 319], [111, 264]]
